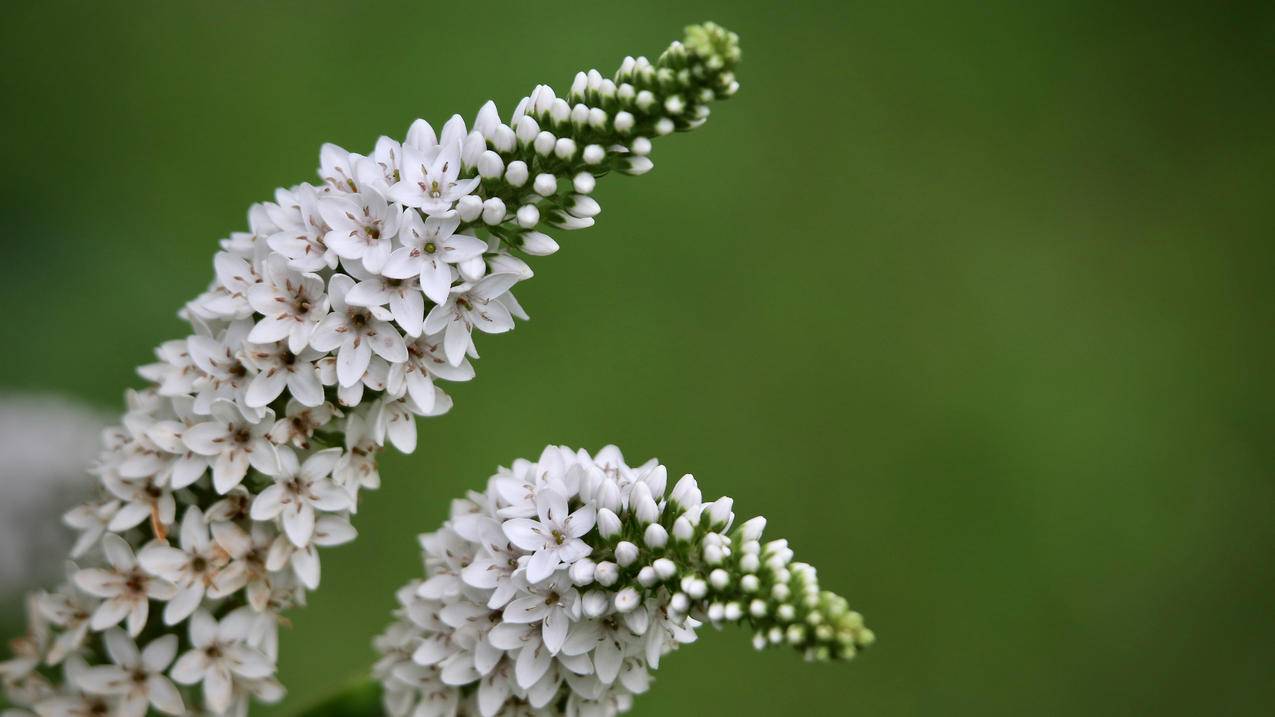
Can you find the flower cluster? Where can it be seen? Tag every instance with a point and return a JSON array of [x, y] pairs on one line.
[[322, 336], [557, 590]]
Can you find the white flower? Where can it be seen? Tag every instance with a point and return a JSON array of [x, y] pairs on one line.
[[555, 538], [469, 306], [329, 531], [555, 604], [224, 375], [356, 332], [236, 443], [199, 566], [291, 305], [301, 230], [425, 361], [137, 677], [125, 588], [430, 249], [300, 423], [431, 178], [91, 520], [407, 304], [279, 367], [218, 655], [362, 227], [299, 490]]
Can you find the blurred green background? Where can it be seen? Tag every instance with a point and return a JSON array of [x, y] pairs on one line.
[[973, 301]]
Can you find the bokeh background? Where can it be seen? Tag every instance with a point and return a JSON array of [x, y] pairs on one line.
[[973, 300]]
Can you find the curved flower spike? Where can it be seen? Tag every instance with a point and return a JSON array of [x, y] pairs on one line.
[[568, 612], [324, 334]]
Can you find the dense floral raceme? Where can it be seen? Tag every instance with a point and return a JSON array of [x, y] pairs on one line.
[[327, 328], [557, 590]]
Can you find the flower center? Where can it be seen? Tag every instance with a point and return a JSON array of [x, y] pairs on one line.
[[558, 537], [430, 247]]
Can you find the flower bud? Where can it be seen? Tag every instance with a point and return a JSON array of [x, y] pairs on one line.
[[645, 99], [626, 600], [597, 118], [606, 573], [545, 184], [504, 139], [679, 603], [623, 122], [559, 111], [719, 579], [490, 165], [583, 183], [469, 208], [516, 173], [686, 492], [674, 104], [715, 612], [733, 612], [682, 529], [471, 151], [757, 608], [752, 529], [594, 154], [608, 495], [641, 146], [646, 576], [713, 554], [626, 553], [656, 478], [581, 572], [537, 244], [608, 523], [664, 568], [564, 148], [637, 166], [579, 115], [595, 603], [544, 143], [493, 211], [526, 130], [643, 505], [655, 537], [719, 514], [528, 216], [749, 583]]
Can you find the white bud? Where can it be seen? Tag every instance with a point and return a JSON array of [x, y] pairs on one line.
[[581, 571], [626, 553], [473, 148], [607, 88], [493, 211], [750, 547], [682, 529], [686, 492], [638, 166], [679, 603], [579, 115], [608, 496], [490, 165], [583, 183], [516, 173], [595, 80], [749, 583], [469, 208], [487, 119], [473, 269], [645, 99], [528, 216], [715, 612], [545, 184], [597, 117], [759, 641], [640, 146], [578, 86], [713, 554], [504, 139], [752, 529], [786, 612], [655, 537], [559, 111], [627, 599], [643, 505], [719, 515], [606, 573], [564, 148], [608, 523], [623, 122], [625, 91], [749, 563], [646, 576], [697, 588], [780, 592], [796, 634], [733, 612], [527, 129], [543, 143], [719, 579], [757, 608], [637, 621], [595, 603], [664, 126], [666, 569], [537, 244], [594, 154], [674, 104]]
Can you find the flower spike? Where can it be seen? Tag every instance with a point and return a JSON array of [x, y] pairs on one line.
[[557, 590], [327, 330]]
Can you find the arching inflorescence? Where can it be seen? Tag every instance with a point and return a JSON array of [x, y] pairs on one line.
[[323, 335], [557, 589]]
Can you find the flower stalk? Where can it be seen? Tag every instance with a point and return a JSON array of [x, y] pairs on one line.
[[325, 333]]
